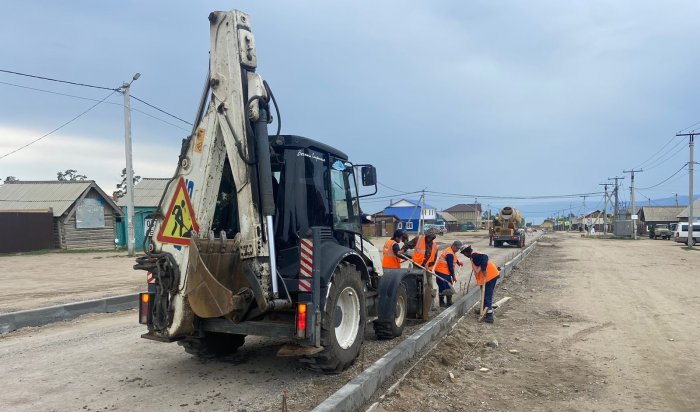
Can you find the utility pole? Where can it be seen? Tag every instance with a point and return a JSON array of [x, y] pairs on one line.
[[691, 199], [675, 194], [633, 212], [617, 200], [605, 208], [422, 210], [129, 168]]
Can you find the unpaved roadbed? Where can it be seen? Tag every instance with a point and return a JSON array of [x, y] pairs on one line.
[[597, 325], [34, 281], [100, 361]]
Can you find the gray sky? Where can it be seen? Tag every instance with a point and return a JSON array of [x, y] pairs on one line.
[[488, 98]]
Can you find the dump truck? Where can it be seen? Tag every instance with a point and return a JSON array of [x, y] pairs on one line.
[[509, 228], [260, 234]]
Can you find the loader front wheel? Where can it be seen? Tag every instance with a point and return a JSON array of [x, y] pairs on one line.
[[392, 328], [343, 323]]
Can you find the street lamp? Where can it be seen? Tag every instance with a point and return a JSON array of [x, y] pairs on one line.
[[129, 168]]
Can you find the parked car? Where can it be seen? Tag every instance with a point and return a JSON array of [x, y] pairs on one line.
[[440, 228], [681, 233], [468, 226]]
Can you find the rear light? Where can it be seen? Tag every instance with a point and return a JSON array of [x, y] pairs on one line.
[[144, 308], [301, 320]]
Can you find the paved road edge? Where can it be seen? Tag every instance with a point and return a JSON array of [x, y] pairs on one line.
[[360, 389], [43, 316]]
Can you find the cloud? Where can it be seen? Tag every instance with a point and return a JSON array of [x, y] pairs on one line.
[[100, 158]]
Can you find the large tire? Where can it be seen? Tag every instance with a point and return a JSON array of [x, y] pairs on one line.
[[343, 323], [212, 344], [390, 329]]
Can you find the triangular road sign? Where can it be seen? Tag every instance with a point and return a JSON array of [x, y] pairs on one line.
[[180, 221]]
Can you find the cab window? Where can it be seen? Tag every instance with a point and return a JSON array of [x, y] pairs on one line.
[[346, 211]]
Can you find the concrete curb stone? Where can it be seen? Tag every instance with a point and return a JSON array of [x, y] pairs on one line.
[[43, 316], [361, 388]]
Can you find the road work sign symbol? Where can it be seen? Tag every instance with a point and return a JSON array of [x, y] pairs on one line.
[[180, 221]]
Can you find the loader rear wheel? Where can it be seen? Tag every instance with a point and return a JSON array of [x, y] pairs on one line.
[[212, 344], [343, 323], [389, 329]]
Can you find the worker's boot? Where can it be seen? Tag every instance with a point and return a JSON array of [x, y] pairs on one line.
[[449, 301], [488, 318], [442, 301]]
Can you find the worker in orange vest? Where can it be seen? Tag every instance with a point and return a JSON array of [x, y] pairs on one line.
[[424, 248], [486, 273], [392, 250], [445, 269]]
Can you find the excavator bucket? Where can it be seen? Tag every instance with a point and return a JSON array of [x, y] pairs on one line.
[[211, 268]]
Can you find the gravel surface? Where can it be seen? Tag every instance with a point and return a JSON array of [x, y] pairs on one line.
[[99, 362], [592, 325]]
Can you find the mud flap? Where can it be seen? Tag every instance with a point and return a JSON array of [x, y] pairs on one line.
[[208, 297]]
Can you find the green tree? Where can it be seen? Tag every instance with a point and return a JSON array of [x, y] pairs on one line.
[[11, 179], [70, 175], [121, 187]]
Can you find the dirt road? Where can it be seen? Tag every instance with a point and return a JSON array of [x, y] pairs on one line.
[[33, 281], [592, 325], [100, 361]]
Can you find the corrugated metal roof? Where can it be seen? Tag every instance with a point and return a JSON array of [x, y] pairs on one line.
[[686, 211], [447, 217], [147, 192], [660, 213], [57, 195]]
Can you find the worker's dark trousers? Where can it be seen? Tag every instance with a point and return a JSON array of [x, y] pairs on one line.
[[488, 295], [443, 285]]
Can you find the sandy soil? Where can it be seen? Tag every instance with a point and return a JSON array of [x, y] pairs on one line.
[[594, 325], [32, 281], [99, 362]]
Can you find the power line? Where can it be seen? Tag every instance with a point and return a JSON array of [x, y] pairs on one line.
[[93, 100], [58, 81], [656, 153], [160, 110], [665, 180], [661, 161], [459, 195], [94, 87], [694, 124], [59, 127], [391, 188]]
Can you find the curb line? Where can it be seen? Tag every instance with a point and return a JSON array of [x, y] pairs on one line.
[[43, 316], [361, 388]]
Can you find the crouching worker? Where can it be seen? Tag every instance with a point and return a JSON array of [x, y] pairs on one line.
[[445, 269], [486, 273]]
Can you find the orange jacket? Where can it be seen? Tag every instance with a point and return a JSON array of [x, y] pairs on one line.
[[441, 265], [419, 252], [390, 260], [491, 270]]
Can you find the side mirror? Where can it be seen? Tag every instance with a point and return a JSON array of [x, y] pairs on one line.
[[366, 218], [369, 175]]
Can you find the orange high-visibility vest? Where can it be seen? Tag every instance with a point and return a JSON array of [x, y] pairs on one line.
[[491, 271], [419, 252], [441, 265], [390, 260]]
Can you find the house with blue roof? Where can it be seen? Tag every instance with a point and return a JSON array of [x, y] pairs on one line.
[[409, 213]]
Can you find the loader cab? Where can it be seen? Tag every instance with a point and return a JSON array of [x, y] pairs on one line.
[[314, 185]]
